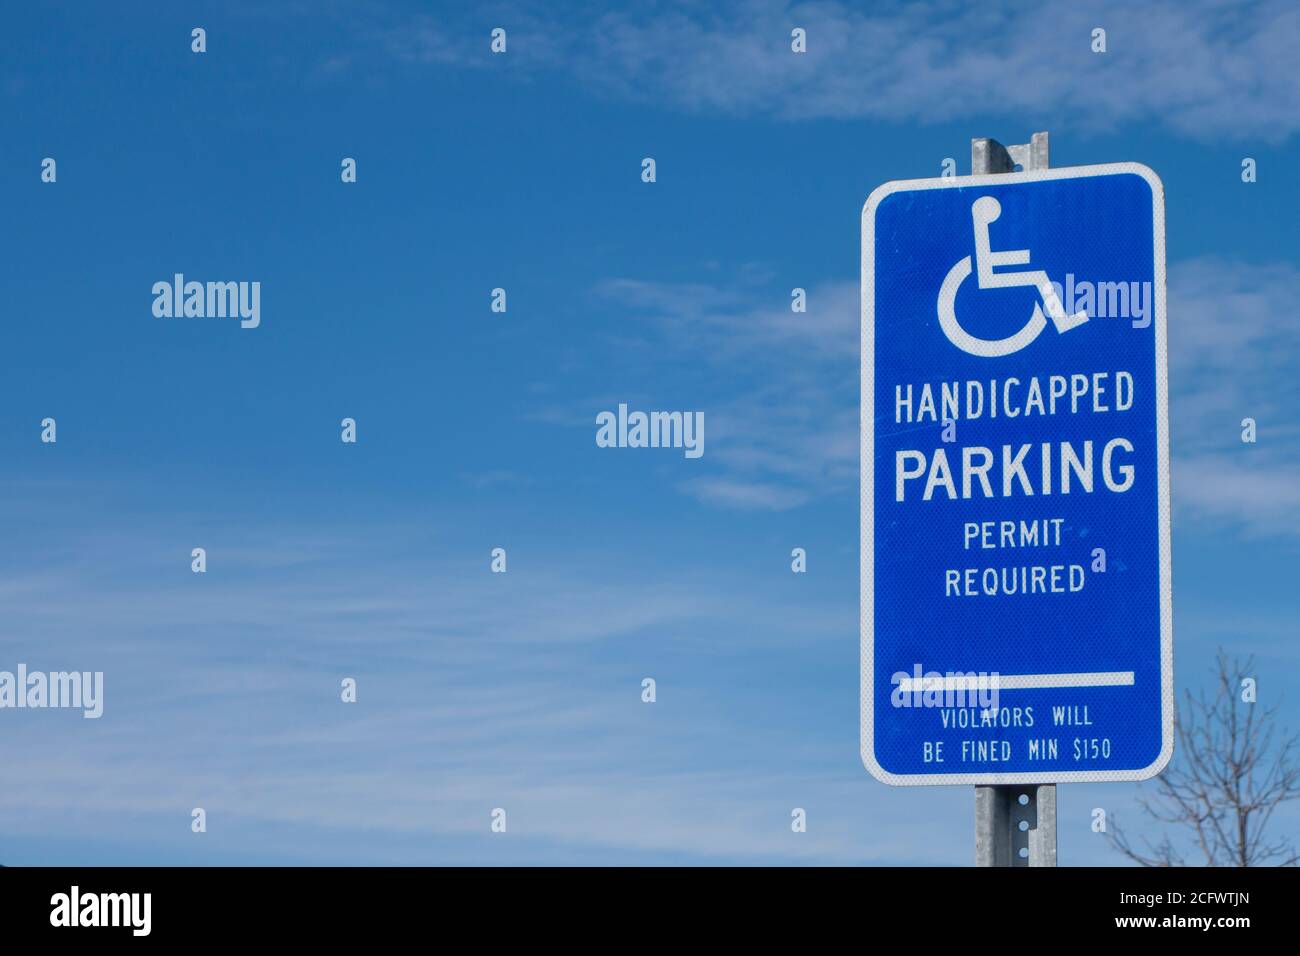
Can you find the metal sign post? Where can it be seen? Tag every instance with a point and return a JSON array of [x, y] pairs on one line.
[[1016, 612], [1000, 810]]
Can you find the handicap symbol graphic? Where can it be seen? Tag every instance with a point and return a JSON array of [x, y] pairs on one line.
[[983, 211]]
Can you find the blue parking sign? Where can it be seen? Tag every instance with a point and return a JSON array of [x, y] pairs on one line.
[[1017, 622]]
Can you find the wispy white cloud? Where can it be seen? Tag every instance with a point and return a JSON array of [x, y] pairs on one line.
[[784, 431], [1234, 347], [447, 39], [475, 691], [1234, 340], [732, 493], [1261, 497], [1203, 68]]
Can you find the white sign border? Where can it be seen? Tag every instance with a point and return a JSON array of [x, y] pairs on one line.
[[867, 462]]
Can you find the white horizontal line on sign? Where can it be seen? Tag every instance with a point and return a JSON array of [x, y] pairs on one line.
[[1015, 681]]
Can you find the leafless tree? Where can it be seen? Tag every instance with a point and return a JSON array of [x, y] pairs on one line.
[[1232, 769]]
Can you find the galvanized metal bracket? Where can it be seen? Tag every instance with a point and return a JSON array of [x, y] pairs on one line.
[[990, 156]]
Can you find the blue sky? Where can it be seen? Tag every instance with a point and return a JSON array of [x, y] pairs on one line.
[[476, 429]]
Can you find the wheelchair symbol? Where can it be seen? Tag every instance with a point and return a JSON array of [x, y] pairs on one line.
[[984, 211]]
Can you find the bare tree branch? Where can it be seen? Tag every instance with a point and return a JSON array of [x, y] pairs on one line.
[[1230, 774]]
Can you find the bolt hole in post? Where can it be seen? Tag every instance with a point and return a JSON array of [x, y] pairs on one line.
[[994, 833]]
